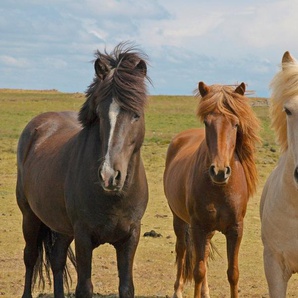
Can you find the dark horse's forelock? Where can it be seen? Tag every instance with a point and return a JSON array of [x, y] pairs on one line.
[[124, 81]]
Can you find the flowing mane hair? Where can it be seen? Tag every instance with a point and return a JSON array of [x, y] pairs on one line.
[[121, 75], [284, 85], [228, 102]]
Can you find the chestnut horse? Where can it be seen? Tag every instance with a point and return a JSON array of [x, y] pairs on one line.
[[81, 177], [279, 201], [209, 176]]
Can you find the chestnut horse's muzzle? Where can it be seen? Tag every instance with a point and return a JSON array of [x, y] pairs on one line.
[[220, 176]]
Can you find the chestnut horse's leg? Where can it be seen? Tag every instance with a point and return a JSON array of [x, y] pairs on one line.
[[201, 240], [180, 228], [58, 262], [84, 249], [125, 255], [233, 237]]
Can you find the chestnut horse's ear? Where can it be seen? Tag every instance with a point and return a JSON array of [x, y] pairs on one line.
[[101, 68], [142, 67], [203, 89], [287, 58], [240, 89]]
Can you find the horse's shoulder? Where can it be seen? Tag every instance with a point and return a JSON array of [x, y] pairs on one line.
[[188, 137], [184, 144]]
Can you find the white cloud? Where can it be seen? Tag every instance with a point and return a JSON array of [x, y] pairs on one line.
[[10, 61], [214, 41]]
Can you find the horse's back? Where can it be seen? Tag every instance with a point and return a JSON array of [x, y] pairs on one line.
[[42, 127], [180, 157], [42, 160]]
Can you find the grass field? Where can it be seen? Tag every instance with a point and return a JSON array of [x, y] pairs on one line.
[[154, 270]]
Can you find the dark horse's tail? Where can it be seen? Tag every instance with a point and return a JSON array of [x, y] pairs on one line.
[[45, 243], [189, 263]]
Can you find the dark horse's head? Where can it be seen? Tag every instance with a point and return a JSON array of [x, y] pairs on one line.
[[115, 103]]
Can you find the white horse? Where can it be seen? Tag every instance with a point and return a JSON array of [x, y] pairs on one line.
[[279, 202]]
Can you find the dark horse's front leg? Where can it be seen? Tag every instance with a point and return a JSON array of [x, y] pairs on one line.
[[84, 248], [234, 237], [125, 255]]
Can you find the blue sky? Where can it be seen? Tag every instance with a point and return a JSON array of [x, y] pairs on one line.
[[51, 44]]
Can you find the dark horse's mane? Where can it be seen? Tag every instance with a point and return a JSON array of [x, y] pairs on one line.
[[124, 81]]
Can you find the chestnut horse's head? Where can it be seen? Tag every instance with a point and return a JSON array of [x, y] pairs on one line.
[[116, 102], [227, 116]]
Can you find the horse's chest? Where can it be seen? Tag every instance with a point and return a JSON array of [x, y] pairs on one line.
[[216, 217], [112, 230]]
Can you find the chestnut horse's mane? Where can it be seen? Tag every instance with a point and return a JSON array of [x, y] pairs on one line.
[[284, 85], [228, 102]]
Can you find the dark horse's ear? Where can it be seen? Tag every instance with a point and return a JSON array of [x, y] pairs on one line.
[[142, 67], [101, 68], [203, 88], [240, 89]]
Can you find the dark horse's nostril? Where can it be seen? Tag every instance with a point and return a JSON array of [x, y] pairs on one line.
[[118, 175]]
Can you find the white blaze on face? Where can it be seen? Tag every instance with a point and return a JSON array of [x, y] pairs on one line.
[[113, 114]]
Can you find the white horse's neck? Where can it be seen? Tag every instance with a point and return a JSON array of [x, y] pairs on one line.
[[287, 166]]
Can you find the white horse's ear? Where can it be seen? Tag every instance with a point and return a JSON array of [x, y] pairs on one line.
[[203, 88], [287, 58], [241, 89]]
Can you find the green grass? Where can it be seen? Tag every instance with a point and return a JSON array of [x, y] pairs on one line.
[[154, 270]]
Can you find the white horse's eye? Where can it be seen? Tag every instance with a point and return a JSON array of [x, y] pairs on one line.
[[287, 111]]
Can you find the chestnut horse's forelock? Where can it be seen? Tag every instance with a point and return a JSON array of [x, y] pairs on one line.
[[225, 100]]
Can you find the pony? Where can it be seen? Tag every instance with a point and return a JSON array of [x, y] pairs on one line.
[[279, 200], [80, 175], [209, 176]]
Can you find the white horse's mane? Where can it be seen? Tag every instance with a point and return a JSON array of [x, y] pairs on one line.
[[284, 86]]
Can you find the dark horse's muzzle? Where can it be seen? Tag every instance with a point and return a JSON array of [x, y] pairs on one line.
[[110, 179]]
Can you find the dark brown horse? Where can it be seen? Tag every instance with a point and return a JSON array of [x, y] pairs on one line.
[[81, 177], [210, 174]]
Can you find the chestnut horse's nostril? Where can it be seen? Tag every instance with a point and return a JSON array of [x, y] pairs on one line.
[[212, 171], [219, 175], [228, 172]]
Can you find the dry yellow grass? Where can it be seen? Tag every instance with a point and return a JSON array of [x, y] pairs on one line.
[[154, 270]]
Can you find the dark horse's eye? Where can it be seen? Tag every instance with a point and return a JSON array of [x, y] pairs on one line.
[[288, 112], [136, 117]]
